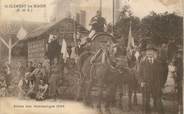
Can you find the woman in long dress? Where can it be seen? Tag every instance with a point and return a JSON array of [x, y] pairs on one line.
[[170, 85]]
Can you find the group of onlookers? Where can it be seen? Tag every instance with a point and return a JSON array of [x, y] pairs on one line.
[[40, 80], [36, 80], [33, 81], [3, 85], [4, 79]]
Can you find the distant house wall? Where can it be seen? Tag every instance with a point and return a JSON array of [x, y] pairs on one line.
[[36, 50], [3, 51], [37, 45], [81, 18]]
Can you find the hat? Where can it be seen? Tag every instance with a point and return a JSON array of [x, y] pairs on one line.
[[151, 47]]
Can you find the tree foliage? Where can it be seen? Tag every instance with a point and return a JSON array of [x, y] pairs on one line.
[[158, 27], [162, 27], [121, 28]]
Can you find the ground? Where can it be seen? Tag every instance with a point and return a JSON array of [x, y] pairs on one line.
[[11, 105]]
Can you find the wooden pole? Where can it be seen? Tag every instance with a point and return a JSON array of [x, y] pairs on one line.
[[101, 7], [4, 42], [10, 50], [13, 45], [113, 2], [10, 46], [75, 31]]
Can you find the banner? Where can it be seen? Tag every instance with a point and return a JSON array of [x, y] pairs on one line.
[[22, 33]]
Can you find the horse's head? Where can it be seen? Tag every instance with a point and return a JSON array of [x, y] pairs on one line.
[[115, 55]]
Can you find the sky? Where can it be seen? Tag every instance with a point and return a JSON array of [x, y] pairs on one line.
[[140, 8]]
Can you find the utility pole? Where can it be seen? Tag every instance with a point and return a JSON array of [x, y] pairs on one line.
[[10, 46], [0, 9], [101, 7], [45, 12], [10, 50], [113, 2]]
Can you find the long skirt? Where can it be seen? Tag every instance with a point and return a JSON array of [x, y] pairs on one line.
[[170, 86]]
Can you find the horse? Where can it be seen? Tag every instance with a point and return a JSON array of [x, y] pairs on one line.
[[105, 75]]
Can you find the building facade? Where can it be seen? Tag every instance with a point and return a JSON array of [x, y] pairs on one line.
[[81, 17], [38, 39]]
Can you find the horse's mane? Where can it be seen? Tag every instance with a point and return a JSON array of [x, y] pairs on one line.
[[83, 56]]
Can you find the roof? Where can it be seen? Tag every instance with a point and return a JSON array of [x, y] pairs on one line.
[[12, 27], [47, 27]]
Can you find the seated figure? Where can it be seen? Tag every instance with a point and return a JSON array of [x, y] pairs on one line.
[[3, 87], [42, 90], [26, 87]]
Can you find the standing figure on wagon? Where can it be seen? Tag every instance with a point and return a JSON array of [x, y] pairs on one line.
[[97, 23]]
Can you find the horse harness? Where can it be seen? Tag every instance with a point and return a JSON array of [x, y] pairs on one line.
[[104, 53]]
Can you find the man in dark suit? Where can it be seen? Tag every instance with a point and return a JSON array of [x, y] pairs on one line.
[[54, 48], [152, 80]]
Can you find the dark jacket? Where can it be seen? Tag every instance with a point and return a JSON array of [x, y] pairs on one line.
[[179, 65], [54, 49], [152, 74]]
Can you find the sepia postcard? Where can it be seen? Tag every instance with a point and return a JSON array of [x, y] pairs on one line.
[[91, 56]]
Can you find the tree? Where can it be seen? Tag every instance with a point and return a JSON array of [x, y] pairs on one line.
[[162, 27], [121, 28], [158, 27]]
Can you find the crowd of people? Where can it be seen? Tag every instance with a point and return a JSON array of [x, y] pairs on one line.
[[4, 79], [40, 81]]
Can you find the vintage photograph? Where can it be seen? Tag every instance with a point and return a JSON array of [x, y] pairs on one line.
[[91, 56]]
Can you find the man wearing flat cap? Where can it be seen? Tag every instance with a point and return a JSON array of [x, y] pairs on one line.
[[152, 80]]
